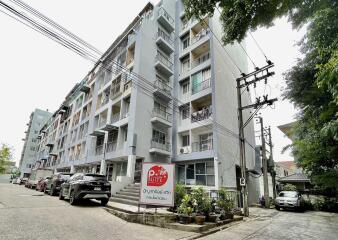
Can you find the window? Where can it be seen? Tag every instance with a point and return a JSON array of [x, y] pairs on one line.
[[202, 173], [185, 64], [159, 137], [205, 142], [185, 87], [185, 111], [185, 140], [201, 80], [185, 41], [181, 173]]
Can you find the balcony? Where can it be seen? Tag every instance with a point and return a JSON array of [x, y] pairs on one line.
[[162, 90], [201, 115], [201, 59], [202, 146], [200, 35], [161, 118], [163, 64], [84, 88], [165, 41], [119, 121], [99, 150], [166, 20], [205, 84], [111, 146], [161, 148]]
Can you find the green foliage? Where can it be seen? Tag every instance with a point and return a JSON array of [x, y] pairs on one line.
[[225, 200], [5, 156], [180, 192], [312, 84], [186, 206], [289, 187], [201, 201]]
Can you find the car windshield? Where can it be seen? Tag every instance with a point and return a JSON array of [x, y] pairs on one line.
[[93, 177], [65, 177], [288, 194]]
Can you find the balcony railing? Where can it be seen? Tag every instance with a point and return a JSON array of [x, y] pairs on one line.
[[111, 146], [200, 35], [162, 114], [166, 15], [124, 115], [127, 86], [165, 36], [99, 150], [163, 59], [201, 86], [201, 115], [198, 61], [101, 122], [115, 117], [162, 86], [162, 146], [201, 146]]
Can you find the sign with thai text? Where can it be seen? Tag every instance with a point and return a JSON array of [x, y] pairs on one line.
[[157, 184]]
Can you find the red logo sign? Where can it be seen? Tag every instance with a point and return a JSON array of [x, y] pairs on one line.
[[157, 176]]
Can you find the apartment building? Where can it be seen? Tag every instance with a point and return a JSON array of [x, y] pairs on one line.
[[28, 155], [163, 92]]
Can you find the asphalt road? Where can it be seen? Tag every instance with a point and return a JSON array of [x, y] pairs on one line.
[[29, 215], [271, 224]]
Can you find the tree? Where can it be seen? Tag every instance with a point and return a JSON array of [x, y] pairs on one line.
[[312, 84], [5, 156], [289, 187]]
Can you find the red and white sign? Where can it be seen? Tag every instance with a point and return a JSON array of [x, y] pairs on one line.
[[157, 184]]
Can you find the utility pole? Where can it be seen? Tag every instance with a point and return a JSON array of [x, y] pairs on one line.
[[272, 171], [265, 166], [242, 82]]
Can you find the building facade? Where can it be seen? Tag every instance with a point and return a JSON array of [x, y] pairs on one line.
[[163, 92], [28, 155]]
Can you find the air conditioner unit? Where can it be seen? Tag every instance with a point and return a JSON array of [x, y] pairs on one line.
[[185, 150]]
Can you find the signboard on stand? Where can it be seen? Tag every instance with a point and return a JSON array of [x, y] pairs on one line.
[[157, 184]]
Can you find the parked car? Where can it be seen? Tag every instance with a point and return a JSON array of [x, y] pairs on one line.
[[53, 185], [86, 186], [36, 175], [289, 200], [41, 185], [15, 180], [22, 181]]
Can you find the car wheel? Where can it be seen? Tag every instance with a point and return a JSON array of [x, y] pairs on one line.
[[45, 189], [104, 201], [72, 199], [52, 191], [60, 195], [277, 208]]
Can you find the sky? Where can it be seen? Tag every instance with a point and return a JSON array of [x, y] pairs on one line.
[[36, 72]]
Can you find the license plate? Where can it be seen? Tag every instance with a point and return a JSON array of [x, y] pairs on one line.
[[97, 189]]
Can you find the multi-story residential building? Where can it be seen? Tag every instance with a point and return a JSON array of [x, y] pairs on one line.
[[163, 92], [28, 155]]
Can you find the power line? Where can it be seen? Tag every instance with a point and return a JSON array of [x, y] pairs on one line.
[[259, 47]]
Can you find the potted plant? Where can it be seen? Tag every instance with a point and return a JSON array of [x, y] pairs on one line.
[[180, 192], [212, 216], [185, 210], [202, 205], [226, 204]]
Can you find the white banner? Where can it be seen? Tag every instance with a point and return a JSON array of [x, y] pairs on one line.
[[157, 184]]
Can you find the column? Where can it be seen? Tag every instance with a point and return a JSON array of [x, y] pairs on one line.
[[72, 169], [131, 166], [103, 167]]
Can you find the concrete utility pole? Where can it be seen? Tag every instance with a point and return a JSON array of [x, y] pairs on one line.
[[265, 166], [244, 82], [272, 171]]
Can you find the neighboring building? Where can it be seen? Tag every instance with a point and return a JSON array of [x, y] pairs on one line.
[[28, 155], [111, 122]]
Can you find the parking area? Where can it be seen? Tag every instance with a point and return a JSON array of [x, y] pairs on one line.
[[28, 214]]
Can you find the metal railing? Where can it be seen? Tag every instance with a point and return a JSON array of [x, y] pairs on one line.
[[101, 122], [201, 115], [99, 150], [162, 114], [124, 115], [201, 59], [166, 15], [202, 145], [111, 146], [162, 86], [200, 35], [201, 86], [165, 60], [127, 86], [165, 36], [115, 117], [162, 146]]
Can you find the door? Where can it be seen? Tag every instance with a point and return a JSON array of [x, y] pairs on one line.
[[138, 170]]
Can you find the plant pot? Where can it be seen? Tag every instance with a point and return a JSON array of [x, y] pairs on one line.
[[227, 215], [184, 219], [200, 219], [212, 218]]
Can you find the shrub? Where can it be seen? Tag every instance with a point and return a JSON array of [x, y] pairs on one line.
[[289, 187], [185, 207], [180, 192], [225, 200], [201, 201]]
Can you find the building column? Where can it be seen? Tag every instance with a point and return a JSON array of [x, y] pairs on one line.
[[72, 169], [103, 167], [131, 166]]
